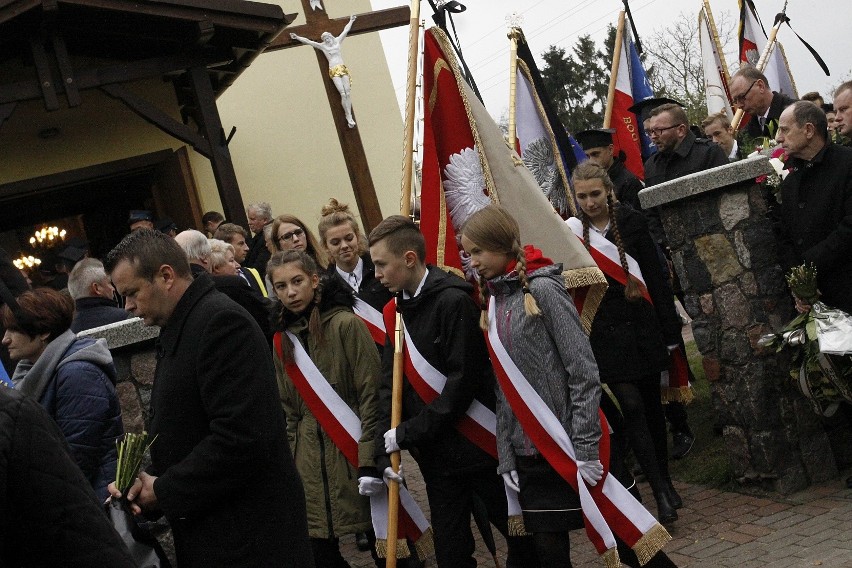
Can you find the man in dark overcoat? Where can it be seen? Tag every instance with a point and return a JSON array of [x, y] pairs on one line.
[[815, 213], [221, 468]]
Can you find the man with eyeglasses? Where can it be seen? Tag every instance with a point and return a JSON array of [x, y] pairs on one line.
[[679, 153], [750, 91]]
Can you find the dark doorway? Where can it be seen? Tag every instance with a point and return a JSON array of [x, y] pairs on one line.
[[94, 202]]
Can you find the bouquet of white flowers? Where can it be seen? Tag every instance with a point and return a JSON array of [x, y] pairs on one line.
[[821, 344]]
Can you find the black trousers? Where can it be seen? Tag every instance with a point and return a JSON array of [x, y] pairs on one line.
[[451, 503], [645, 426]]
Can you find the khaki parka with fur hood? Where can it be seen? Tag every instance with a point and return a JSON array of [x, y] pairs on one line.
[[346, 356]]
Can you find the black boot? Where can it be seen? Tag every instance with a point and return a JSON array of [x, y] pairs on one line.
[[666, 512], [674, 498]]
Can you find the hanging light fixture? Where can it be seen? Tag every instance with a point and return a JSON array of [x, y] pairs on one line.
[[48, 237], [26, 262]]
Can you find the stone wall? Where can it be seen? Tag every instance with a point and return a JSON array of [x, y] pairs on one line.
[[134, 354], [723, 250]]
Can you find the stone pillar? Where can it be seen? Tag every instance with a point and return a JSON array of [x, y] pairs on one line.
[[723, 250], [133, 352]]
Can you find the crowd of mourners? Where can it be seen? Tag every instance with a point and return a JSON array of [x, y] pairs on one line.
[[257, 462]]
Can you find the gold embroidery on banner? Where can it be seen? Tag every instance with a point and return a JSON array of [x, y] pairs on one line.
[[436, 70], [440, 254], [490, 188]]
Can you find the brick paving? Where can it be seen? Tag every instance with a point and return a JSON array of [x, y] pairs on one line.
[[717, 529]]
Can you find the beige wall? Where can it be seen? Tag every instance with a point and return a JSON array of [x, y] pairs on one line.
[[286, 149], [100, 130]]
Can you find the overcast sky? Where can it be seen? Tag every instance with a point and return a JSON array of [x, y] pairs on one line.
[[482, 34]]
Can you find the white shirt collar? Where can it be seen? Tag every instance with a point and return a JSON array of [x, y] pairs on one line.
[[358, 272], [601, 232], [734, 149], [406, 295]]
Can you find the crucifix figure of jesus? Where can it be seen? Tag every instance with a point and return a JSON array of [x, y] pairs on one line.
[[337, 70]]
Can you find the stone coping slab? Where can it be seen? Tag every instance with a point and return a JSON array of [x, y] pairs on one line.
[[704, 181], [123, 333]]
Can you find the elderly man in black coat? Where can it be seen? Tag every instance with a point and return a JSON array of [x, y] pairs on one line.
[[221, 469], [815, 213]]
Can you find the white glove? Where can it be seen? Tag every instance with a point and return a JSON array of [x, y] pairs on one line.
[[510, 478], [390, 441], [389, 475], [591, 471], [369, 485]]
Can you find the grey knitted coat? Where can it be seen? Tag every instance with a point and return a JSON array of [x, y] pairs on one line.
[[554, 354]]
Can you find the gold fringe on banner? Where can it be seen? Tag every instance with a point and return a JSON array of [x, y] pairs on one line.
[[677, 394], [516, 526], [425, 545], [401, 548], [593, 278], [610, 558], [651, 543]]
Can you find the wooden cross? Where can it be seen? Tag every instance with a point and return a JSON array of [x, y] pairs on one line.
[[317, 22]]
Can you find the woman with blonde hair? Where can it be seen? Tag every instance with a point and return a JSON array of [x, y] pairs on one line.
[[540, 330], [221, 260], [346, 245], [635, 327]]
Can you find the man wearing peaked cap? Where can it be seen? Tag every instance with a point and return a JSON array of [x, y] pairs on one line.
[[140, 219], [643, 109], [598, 145]]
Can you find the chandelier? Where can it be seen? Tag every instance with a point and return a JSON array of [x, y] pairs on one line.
[[26, 262], [48, 237]]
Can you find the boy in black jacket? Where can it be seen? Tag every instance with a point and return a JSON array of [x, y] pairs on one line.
[[442, 321]]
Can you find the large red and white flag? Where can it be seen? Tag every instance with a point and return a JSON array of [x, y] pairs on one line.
[[753, 40], [715, 68], [468, 165]]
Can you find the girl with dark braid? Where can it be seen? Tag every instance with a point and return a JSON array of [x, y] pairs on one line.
[[315, 315], [538, 324], [635, 327]]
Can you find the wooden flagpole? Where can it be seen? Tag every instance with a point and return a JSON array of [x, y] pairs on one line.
[[761, 63], [714, 34], [613, 76], [405, 210], [514, 34]]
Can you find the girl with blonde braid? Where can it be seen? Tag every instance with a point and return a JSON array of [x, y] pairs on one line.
[[630, 335], [539, 326]]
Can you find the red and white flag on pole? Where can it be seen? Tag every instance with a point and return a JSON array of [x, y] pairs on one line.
[[467, 165], [752, 41]]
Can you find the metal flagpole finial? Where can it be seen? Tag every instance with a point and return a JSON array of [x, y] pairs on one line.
[[514, 20]]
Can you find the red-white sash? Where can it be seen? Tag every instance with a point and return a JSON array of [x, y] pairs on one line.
[[674, 381], [343, 426], [479, 423], [607, 507], [606, 256], [372, 317]]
